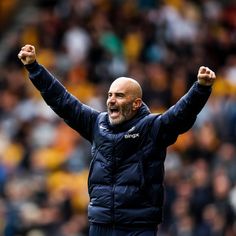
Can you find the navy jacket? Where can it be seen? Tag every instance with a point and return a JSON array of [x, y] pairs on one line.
[[126, 173]]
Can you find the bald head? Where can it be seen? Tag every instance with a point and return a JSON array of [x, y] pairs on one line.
[[131, 86]]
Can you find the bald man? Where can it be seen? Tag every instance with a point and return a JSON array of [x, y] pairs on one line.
[[129, 145]]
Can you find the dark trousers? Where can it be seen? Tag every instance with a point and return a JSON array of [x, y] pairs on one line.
[[102, 230]]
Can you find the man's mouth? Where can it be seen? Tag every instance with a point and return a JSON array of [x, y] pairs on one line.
[[114, 112]]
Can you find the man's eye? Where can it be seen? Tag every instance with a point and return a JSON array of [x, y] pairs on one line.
[[120, 95]]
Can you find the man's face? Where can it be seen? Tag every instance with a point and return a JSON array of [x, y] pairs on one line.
[[120, 102]]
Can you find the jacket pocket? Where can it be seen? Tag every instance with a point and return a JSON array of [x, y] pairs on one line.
[[141, 169], [142, 157]]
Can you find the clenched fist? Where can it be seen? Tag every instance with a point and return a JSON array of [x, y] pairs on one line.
[[27, 54], [206, 76]]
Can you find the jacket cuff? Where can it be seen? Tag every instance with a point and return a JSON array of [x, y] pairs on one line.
[[203, 88], [32, 66]]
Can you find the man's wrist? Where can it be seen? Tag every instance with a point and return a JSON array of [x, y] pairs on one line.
[[203, 87], [32, 66], [204, 83]]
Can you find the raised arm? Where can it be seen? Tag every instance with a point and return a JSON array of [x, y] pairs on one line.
[[181, 117], [76, 114]]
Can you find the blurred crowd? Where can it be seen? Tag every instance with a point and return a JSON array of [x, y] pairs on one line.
[[86, 44]]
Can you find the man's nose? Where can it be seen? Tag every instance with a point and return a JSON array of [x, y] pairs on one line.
[[112, 99]]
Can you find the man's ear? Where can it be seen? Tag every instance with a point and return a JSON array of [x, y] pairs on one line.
[[137, 103]]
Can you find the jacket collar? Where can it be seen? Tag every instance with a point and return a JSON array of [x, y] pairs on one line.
[[142, 112]]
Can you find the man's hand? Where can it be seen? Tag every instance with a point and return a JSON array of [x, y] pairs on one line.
[[206, 76], [27, 54]]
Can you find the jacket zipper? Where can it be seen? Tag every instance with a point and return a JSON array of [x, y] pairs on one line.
[[113, 181], [91, 169]]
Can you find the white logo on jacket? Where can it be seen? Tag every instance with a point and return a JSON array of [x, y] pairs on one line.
[[131, 130], [126, 136]]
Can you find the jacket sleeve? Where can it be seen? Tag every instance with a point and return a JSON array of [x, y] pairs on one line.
[[181, 117], [76, 114]]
